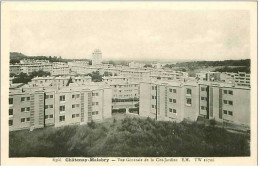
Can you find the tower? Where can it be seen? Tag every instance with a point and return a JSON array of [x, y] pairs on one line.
[[96, 57]]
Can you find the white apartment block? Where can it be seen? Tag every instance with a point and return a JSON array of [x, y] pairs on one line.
[[60, 81], [240, 78], [60, 68], [58, 107], [176, 101]]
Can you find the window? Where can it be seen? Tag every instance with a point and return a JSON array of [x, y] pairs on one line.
[[225, 101], [51, 106], [73, 106], [204, 98], [46, 116], [93, 113], [203, 89], [77, 95], [73, 115], [170, 90], [153, 97], [51, 116], [11, 112], [62, 108], [22, 99], [62, 98], [174, 90], [203, 108], [170, 109], [170, 100], [188, 101], [225, 112], [28, 98], [96, 103], [96, 94], [28, 109], [22, 120], [230, 92], [174, 110], [96, 112], [47, 96], [230, 113], [225, 91], [46, 106], [188, 91], [11, 101], [28, 119], [73, 96], [10, 122], [153, 87], [174, 100], [22, 109], [230, 102], [77, 115], [62, 118], [51, 96], [153, 106]]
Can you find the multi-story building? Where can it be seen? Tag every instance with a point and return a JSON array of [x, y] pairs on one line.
[[58, 107], [240, 78], [163, 75], [136, 75], [208, 76], [60, 68], [15, 69], [125, 92], [96, 57], [60, 81], [177, 101], [78, 66], [136, 65]]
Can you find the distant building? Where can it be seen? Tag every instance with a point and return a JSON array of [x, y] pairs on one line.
[[135, 65], [240, 78], [60, 68], [96, 57], [60, 81], [208, 76]]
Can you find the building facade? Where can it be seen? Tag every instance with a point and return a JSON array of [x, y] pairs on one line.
[[58, 107], [176, 101]]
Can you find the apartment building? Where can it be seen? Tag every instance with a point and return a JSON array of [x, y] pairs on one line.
[[37, 108], [60, 68], [136, 75], [176, 101], [160, 74], [60, 81], [78, 66], [15, 69], [240, 78], [135, 65], [208, 76]]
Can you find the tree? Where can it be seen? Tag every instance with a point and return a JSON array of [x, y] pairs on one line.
[[95, 76], [148, 65], [22, 78], [39, 73]]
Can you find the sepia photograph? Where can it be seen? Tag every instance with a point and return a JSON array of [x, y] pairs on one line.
[[129, 82]]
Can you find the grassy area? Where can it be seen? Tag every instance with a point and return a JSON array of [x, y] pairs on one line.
[[129, 136]]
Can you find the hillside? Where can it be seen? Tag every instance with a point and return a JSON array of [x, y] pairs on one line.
[[129, 137]]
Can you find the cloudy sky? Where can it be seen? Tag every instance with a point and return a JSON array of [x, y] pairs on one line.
[[135, 34]]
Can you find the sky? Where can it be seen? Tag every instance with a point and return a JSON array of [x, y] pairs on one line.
[[133, 34]]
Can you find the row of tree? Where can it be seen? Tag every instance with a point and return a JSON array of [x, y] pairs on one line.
[[25, 78], [130, 137]]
